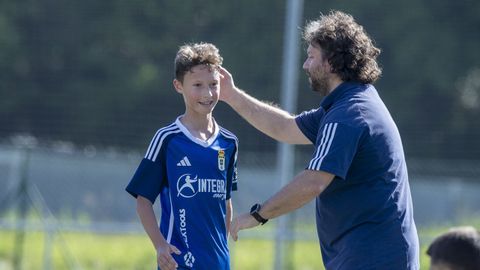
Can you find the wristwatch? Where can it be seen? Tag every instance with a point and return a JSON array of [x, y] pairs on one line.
[[254, 212]]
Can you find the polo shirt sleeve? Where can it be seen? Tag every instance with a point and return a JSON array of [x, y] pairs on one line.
[[308, 122], [335, 148], [147, 180]]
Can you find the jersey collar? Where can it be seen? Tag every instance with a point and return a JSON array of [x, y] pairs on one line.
[[194, 139], [337, 94]]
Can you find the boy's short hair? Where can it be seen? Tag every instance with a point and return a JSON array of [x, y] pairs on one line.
[[191, 55], [459, 248]]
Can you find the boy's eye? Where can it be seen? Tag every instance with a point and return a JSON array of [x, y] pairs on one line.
[[197, 84]]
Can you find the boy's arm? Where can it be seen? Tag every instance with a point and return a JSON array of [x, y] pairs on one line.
[[229, 215], [273, 121], [149, 222]]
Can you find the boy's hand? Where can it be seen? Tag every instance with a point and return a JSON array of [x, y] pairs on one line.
[[227, 86], [244, 221], [164, 258]]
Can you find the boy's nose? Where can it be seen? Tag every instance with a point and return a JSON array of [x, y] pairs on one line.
[[210, 91]]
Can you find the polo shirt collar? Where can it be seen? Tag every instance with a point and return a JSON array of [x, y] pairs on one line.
[[337, 93]]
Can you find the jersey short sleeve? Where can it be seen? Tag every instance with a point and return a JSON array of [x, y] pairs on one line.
[[335, 148], [147, 180], [151, 174], [309, 121], [232, 175]]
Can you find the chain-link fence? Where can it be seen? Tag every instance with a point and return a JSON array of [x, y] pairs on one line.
[[83, 191]]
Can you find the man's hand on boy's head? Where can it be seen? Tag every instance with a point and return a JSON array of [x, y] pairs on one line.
[[227, 86]]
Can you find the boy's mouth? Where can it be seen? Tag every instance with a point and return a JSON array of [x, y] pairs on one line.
[[206, 103]]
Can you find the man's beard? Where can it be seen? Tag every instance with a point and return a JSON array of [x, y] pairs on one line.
[[319, 83]]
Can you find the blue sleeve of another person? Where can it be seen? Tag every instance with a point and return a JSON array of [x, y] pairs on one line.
[[147, 180]]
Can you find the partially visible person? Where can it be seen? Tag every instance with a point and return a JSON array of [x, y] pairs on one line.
[[191, 165], [457, 249], [357, 173]]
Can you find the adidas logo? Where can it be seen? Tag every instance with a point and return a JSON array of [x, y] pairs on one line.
[[184, 162]]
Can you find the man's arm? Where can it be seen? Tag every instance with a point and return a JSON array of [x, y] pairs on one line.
[[302, 189], [269, 119]]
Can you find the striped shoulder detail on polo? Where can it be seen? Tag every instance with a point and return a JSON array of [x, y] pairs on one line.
[[157, 141], [321, 151]]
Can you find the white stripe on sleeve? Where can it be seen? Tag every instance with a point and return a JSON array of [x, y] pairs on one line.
[[170, 222], [324, 147], [154, 142]]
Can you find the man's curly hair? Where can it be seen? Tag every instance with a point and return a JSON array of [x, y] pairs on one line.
[[191, 55], [348, 48]]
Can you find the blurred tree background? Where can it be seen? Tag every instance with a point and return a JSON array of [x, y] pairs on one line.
[[99, 73]]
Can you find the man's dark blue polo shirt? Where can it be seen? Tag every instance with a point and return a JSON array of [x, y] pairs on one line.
[[365, 215]]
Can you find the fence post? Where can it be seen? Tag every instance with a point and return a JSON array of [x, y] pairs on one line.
[[22, 198], [285, 153]]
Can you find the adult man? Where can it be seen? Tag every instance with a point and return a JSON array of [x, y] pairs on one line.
[[358, 172]]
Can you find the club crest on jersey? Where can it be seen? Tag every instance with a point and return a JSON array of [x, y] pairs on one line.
[[221, 160]]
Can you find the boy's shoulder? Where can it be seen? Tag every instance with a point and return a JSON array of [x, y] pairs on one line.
[[227, 133], [160, 139], [168, 129]]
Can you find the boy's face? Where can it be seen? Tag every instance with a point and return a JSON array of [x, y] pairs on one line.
[[200, 89]]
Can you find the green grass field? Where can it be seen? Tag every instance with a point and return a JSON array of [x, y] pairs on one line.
[[94, 251]]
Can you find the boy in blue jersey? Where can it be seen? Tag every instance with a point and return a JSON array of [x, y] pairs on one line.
[[191, 164]]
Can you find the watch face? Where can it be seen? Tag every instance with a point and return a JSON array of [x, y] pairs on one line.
[[254, 208]]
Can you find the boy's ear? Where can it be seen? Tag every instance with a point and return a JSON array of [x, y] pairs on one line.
[[178, 86]]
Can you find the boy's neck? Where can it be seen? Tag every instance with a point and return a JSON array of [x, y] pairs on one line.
[[201, 127]]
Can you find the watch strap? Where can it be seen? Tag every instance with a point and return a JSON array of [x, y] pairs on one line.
[[254, 213]]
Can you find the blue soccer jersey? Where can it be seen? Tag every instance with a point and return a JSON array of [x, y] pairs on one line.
[[194, 178]]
